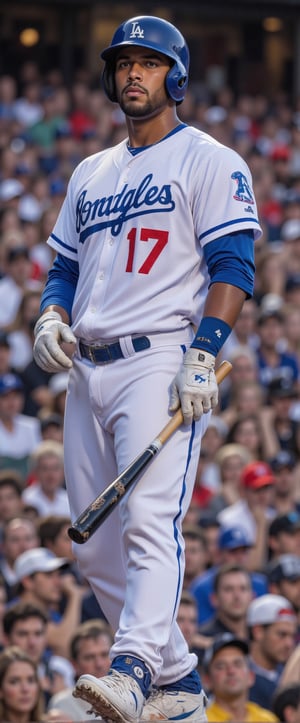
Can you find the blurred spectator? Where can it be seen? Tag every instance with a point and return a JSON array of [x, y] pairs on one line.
[[272, 623], [25, 625], [230, 459], [52, 427], [187, 619], [228, 678], [80, 117], [212, 441], [53, 534], [20, 331], [46, 491], [89, 653], [19, 433], [61, 674], [234, 547], [195, 554], [3, 603], [281, 430], [290, 234], [244, 370], [248, 431], [8, 92], [285, 483], [291, 670], [42, 133], [202, 494], [292, 289], [291, 341], [41, 582], [19, 534], [210, 527], [286, 703], [5, 354], [38, 396], [231, 596], [244, 332], [11, 504], [27, 108], [16, 280], [274, 364], [270, 273], [247, 398], [58, 388], [283, 575], [21, 697], [284, 535], [254, 508]]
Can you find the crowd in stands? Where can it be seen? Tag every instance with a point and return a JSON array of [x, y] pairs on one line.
[[240, 606]]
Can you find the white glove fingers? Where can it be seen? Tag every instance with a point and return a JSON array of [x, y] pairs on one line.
[[58, 356], [174, 399], [67, 335], [51, 357], [198, 408]]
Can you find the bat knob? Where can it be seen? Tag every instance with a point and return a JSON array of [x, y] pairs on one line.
[[77, 536]]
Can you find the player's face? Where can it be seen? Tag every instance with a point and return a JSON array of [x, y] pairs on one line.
[[140, 81]]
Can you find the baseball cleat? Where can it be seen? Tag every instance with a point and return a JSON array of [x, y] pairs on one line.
[[116, 697], [174, 705]]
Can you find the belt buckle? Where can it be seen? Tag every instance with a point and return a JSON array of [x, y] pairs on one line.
[[91, 354], [103, 347]]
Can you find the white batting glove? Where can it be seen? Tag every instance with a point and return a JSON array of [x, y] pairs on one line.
[[195, 387], [49, 332]]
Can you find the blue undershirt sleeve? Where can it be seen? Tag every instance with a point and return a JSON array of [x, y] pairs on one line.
[[230, 260], [61, 284]]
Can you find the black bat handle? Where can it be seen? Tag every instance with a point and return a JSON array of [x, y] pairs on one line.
[[93, 516]]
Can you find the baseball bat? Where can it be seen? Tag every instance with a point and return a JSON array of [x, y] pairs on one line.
[[93, 516]]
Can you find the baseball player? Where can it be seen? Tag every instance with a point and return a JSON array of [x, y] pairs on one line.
[[155, 238]]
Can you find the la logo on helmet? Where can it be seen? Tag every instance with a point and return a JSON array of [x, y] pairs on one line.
[[136, 31]]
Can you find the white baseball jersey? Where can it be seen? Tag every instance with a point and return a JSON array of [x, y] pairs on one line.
[[127, 217]]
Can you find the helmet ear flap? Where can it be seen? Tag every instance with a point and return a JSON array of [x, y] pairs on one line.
[[108, 81], [176, 82]]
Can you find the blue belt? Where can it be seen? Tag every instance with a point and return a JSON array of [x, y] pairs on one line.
[[110, 352]]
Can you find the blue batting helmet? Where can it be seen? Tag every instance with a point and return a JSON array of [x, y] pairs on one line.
[[157, 34]]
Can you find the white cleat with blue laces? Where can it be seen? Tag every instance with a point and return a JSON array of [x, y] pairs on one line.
[[116, 697]]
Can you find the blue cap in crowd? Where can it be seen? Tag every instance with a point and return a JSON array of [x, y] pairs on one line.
[[233, 537], [10, 383]]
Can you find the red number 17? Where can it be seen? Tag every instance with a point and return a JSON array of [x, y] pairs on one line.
[[161, 238]]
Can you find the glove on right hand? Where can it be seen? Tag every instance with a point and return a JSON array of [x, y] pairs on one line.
[[195, 386], [50, 331]]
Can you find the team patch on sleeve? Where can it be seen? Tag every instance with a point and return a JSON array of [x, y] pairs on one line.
[[243, 192]]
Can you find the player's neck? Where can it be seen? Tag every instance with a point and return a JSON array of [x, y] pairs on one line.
[[147, 132]]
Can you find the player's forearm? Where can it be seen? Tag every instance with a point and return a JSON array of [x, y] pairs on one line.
[[225, 302], [222, 308]]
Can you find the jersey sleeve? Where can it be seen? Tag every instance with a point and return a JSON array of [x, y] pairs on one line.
[[224, 198], [64, 235]]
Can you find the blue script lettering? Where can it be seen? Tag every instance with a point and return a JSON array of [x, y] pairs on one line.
[[129, 203]]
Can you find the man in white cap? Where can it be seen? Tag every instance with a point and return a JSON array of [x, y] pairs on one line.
[[272, 623], [38, 573]]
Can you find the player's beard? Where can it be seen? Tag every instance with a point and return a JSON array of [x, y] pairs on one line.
[[144, 106]]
